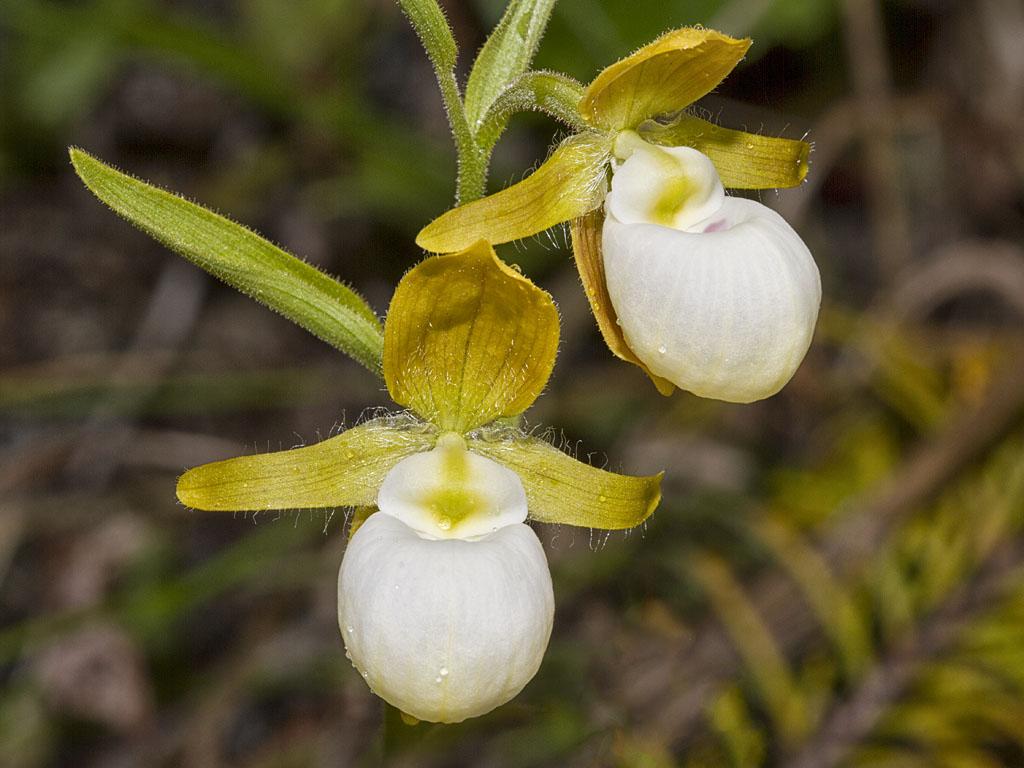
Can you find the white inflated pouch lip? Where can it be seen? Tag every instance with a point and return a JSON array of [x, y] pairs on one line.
[[724, 305], [445, 628]]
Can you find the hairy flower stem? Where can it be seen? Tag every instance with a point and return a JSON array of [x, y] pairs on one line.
[[472, 162]]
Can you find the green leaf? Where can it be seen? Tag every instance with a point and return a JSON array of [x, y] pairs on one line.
[[553, 93], [323, 306], [432, 28], [568, 184], [343, 471], [506, 54], [560, 489], [743, 160]]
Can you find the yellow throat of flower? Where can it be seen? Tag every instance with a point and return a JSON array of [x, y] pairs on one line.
[[452, 493], [670, 186], [455, 499]]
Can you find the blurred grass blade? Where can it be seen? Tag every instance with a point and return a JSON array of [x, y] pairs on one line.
[[553, 93], [730, 717], [141, 388], [743, 160], [568, 184], [560, 489], [762, 657], [506, 54], [323, 306], [343, 471], [432, 28], [835, 608]]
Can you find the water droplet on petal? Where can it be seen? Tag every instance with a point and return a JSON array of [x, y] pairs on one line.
[[444, 671], [602, 498], [350, 629], [662, 349], [444, 523]]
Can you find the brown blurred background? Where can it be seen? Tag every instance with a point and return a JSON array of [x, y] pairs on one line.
[[836, 575]]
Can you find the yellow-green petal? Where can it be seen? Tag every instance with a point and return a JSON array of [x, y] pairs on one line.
[[569, 183], [468, 340], [560, 489], [743, 160], [586, 249], [343, 471], [662, 77]]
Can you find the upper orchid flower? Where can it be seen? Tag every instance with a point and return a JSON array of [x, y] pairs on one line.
[[713, 294]]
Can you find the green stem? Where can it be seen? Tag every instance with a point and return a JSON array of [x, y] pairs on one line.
[[432, 28], [472, 161], [552, 93]]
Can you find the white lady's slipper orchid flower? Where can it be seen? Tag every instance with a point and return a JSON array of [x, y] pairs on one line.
[[445, 600], [726, 350], [718, 295], [444, 596]]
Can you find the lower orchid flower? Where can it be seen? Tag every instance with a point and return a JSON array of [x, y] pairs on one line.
[[445, 600], [444, 595]]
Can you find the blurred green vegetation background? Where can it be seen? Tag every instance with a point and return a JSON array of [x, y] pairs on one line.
[[836, 575]]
